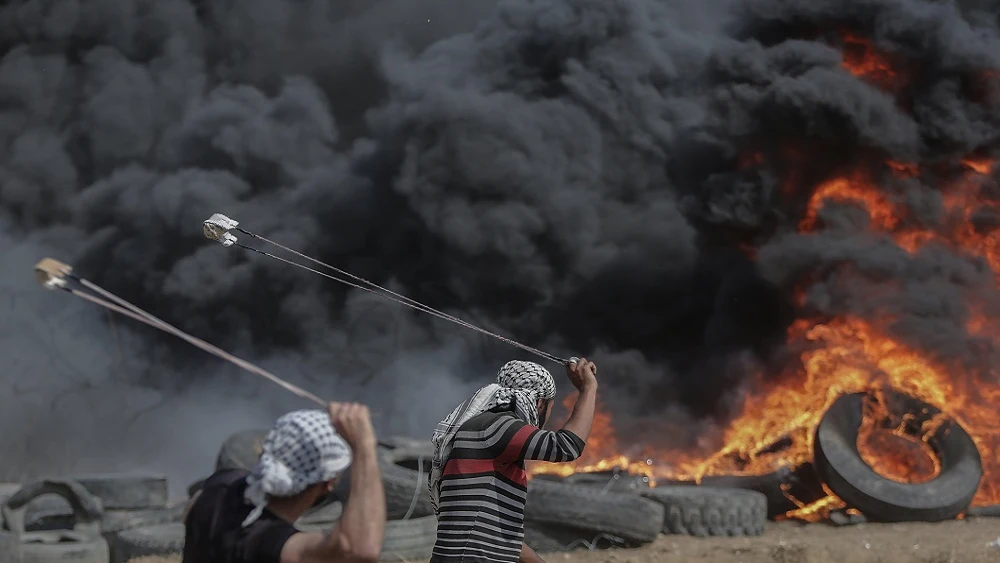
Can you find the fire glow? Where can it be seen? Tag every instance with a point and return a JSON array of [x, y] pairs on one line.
[[779, 416]]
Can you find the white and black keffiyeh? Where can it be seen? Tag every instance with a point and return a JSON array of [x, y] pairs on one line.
[[301, 450], [519, 384]]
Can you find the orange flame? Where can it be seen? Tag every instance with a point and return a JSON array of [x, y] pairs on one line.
[[864, 61], [846, 355]]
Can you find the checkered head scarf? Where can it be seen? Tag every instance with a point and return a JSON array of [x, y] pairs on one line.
[[519, 384], [301, 450]]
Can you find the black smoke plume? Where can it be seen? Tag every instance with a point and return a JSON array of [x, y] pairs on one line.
[[570, 172]]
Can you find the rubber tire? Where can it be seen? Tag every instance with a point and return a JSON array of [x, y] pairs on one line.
[[63, 545], [118, 520], [610, 481], [881, 499], [409, 540], [710, 511], [627, 516], [240, 450], [399, 484], [51, 495], [801, 483], [165, 539], [45, 513], [125, 491]]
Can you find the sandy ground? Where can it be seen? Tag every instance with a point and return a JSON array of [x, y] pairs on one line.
[[962, 541]]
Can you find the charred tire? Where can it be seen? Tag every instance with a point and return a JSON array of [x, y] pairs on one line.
[[880, 499], [166, 539], [126, 491], [711, 511], [801, 483], [241, 450], [627, 516]]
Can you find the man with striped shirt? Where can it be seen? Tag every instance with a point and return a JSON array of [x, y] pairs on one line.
[[478, 482]]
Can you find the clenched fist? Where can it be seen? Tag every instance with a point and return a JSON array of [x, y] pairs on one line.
[[353, 421]]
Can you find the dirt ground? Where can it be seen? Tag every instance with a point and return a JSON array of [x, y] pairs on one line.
[[961, 541]]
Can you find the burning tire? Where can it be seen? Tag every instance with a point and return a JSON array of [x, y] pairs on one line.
[[589, 509], [842, 468], [710, 511], [801, 483]]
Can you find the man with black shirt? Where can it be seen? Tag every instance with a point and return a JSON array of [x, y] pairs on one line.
[[241, 517]]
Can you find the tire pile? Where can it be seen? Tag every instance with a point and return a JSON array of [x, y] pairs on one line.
[[603, 511], [115, 518], [118, 517], [108, 518]]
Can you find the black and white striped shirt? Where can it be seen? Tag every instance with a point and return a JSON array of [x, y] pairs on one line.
[[484, 486]]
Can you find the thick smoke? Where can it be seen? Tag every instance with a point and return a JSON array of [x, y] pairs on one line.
[[571, 172]]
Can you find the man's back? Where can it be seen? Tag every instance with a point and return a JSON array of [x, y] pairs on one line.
[[484, 486], [214, 531]]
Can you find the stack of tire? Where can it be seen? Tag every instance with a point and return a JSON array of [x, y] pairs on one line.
[[120, 517], [593, 510], [584, 510], [84, 518]]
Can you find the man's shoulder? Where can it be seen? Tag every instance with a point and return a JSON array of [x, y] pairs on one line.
[[223, 490], [491, 421], [225, 478]]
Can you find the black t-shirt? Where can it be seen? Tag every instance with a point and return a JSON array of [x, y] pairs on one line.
[[214, 532]]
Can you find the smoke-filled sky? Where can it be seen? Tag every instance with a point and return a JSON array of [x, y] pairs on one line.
[[569, 172]]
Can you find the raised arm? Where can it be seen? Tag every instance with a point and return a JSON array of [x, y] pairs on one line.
[[583, 375], [522, 442], [357, 536]]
